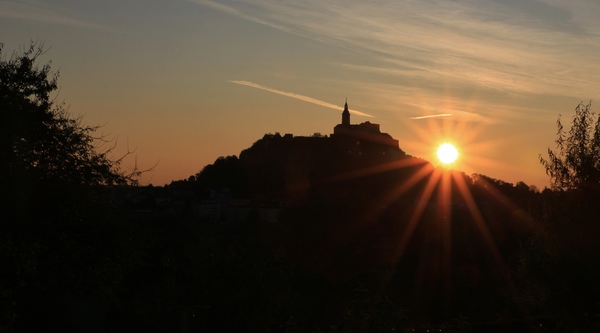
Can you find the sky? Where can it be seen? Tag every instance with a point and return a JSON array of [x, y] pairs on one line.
[[180, 83]]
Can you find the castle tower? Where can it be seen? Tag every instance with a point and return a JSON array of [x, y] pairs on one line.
[[365, 134], [346, 115]]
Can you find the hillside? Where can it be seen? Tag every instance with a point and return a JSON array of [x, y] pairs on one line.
[[292, 166], [356, 210], [419, 244]]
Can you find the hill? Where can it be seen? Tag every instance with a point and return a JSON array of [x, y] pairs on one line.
[[362, 224], [360, 209]]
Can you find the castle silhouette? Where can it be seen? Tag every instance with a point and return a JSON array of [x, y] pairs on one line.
[[363, 133]]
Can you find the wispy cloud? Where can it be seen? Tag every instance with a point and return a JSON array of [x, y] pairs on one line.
[[297, 96], [431, 116], [542, 47], [35, 11], [411, 102]]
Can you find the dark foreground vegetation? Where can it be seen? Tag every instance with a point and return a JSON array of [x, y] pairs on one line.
[[366, 240]]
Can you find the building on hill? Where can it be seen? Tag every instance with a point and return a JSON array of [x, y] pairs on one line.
[[361, 134]]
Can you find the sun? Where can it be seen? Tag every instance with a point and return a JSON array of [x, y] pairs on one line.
[[447, 153]]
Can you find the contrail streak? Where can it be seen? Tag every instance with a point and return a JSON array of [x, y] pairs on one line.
[[432, 116], [297, 96]]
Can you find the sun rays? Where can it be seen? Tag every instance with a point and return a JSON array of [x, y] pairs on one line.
[[438, 191], [459, 140], [424, 206], [444, 190]]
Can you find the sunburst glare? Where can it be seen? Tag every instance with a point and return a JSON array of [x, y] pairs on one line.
[[436, 198], [447, 153], [445, 189]]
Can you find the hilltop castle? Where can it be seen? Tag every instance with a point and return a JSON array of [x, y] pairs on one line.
[[364, 133], [358, 140]]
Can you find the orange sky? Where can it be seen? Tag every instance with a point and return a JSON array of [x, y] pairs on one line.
[[184, 82]]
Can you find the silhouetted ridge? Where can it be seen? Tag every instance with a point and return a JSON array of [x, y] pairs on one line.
[[276, 165], [286, 166]]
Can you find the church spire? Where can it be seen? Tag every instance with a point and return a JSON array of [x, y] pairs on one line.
[[346, 114]]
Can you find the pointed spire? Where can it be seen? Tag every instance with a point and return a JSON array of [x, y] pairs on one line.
[[346, 114]]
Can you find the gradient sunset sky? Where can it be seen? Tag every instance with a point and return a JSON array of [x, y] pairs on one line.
[[184, 82]]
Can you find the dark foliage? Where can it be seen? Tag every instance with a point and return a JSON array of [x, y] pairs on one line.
[[58, 239], [576, 164], [225, 172], [48, 159]]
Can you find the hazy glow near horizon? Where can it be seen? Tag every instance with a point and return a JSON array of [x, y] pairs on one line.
[[173, 77]]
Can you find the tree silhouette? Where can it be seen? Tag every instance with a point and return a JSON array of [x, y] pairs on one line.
[[42, 149], [60, 232], [225, 172], [576, 163]]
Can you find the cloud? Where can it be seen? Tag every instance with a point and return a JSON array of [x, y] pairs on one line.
[[35, 11], [431, 116], [503, 46], [297, 96], [239, 13]]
